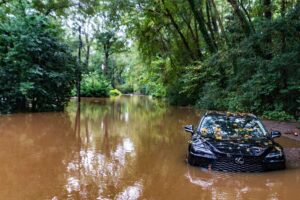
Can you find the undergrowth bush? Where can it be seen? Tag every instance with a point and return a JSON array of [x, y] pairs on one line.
[[95, 85], [115, 92], [277, 115]]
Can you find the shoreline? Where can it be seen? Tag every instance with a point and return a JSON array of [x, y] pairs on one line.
[[287, 129]]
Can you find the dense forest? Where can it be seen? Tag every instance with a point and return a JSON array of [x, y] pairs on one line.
[[236, 55]]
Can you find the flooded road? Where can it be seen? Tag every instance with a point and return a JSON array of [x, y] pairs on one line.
[[124, 148]]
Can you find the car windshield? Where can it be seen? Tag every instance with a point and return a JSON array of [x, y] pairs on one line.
[[232, 127]]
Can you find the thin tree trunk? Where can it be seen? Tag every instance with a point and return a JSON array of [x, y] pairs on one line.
[[88, 50], [241, 16], [283, 36], [283, 8], [247, 15], [213, 16], [283, 44], [87, 56], [268, 37], [209, 20], [177, 28], [202, 27], [79, 64], [219, 20], [193, 34], [112, 77], [196, 33], [106, 60], [188, 24], [267, 9]]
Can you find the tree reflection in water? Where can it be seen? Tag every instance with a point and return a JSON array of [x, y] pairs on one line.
[[126, 148], [103, 165], [32, 149], [135, 149], [223, 185]]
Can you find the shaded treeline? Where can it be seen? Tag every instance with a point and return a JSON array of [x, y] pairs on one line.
[[237, 55], [47, 48], [220, 54]]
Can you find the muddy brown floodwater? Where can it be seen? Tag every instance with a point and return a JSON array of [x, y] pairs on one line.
[[124, 148]]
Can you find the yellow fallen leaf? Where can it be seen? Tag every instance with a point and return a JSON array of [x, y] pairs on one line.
[[218, 137]]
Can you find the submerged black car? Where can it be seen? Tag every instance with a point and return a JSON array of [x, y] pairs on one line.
[[234, 142]]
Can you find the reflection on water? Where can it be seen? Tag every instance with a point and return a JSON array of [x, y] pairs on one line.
[[123, 148]]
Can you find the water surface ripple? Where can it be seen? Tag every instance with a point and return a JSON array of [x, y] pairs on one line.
[[122, 148]]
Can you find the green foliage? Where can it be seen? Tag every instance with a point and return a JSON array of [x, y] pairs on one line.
[[211, 97], [223, 55], [134, 77], [126, 89], [95, 85], [36, 67], [110, 44], [114, 92], [253, 82], [150, 82], [277, 115], [257, 69], [46, 7]]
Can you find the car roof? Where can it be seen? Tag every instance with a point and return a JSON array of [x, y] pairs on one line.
[[229, 114]]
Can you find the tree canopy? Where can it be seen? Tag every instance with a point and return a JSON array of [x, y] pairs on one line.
[[225, 55], [232, 55], [36, 66]]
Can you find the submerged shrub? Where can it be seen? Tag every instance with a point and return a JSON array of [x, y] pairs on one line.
[[94, 85], [115, 92]]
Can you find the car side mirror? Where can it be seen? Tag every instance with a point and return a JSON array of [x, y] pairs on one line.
[[189, 128], [275, 134]]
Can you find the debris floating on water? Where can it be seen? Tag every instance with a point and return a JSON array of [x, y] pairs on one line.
[[296, 134]]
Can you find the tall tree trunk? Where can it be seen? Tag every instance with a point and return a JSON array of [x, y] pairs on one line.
[[106, 60], [219, 21], [268, 37], [283, 8], [284, 71], [283, 36], [194, 32], [202, 27], [177, 28], [209, 20], [79, 65], [87, 56], [247, 15], [112, 74], [213, 16], [195, 38], [267, 9], [246, 25], [188, 24], [88, 50]]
